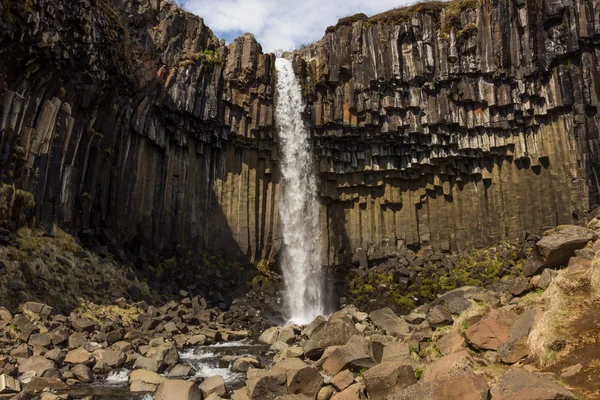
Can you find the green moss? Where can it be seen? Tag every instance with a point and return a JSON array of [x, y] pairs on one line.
[[418, 373], [373, 289], [208, 56], [466, 32], [16, 205]]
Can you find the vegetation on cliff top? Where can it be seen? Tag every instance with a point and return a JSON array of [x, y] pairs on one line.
[[453, 10]]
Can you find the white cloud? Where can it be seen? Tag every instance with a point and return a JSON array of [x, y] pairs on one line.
[[280, 24]]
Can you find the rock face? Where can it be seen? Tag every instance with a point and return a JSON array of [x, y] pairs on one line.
[[444, 125], [438, 126], [133, 125]]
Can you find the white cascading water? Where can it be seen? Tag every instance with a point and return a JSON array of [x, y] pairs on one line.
[[298, 204]]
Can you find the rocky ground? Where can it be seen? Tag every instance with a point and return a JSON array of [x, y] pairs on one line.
[[533, 336]]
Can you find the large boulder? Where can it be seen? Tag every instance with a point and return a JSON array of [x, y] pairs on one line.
[[79, 356], [166, 353], [386, 377], [352, 392], [36, 365], [522, 385], [491, 331], [150, 364], [446, 365], [144, 381], [266, 385], [463, 385], [83, 325], [82, 373], [37, 311], [269, 336], [516, 348], [356, 353], [301, 377], [40, 384], [112, 358], [213, 385], [387, 320], [9, 384], [336, 333], [559, 244], [178, 390]]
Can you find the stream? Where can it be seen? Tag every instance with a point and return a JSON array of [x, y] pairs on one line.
[[206, 361]]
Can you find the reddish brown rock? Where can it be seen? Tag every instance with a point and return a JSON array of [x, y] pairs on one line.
[[382, 379]]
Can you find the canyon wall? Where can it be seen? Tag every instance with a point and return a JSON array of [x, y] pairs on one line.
[[446, 126], [455, 125], [136, 128]]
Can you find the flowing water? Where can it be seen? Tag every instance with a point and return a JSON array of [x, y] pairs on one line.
[[206, 361], [298, 204]]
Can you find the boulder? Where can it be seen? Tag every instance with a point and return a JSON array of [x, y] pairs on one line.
[[213, 385], [546, 278], [150, 364], [77, 340], [439, 316], [451, 343], [384, 378], [141, 387], [447, 365], [79, 356], [559, 244], [178, 390], [520, 384], [269, 336], [325, 393], [83, 325], [463, 385], [317, 324], [37, 311], [342, 380], [22, 351], [112, 358], [83, 373], [180, 371], [387, 320], [165, 353], [352, 392], [39, 384], [143, 375], [334, 333], [516, 348], [36, 364], [396, 351], [9, 384], [40, 339], [23, 328], [266, 385], [301, 378], [286, 335], [243, 364], [491, 331], [356, 353], [60, 336]]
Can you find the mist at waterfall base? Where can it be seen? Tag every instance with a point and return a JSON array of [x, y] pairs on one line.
[[298, 205]]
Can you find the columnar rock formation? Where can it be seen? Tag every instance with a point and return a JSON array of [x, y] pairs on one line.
[[443, 125], [136, 127], [454, 125]]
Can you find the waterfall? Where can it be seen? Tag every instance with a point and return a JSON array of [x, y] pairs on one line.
[[298, 205]]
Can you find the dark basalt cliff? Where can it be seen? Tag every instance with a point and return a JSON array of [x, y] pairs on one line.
[[443, 125], [455, 125], [135, 127]]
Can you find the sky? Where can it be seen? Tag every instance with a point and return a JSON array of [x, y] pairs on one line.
[[280, 24]]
